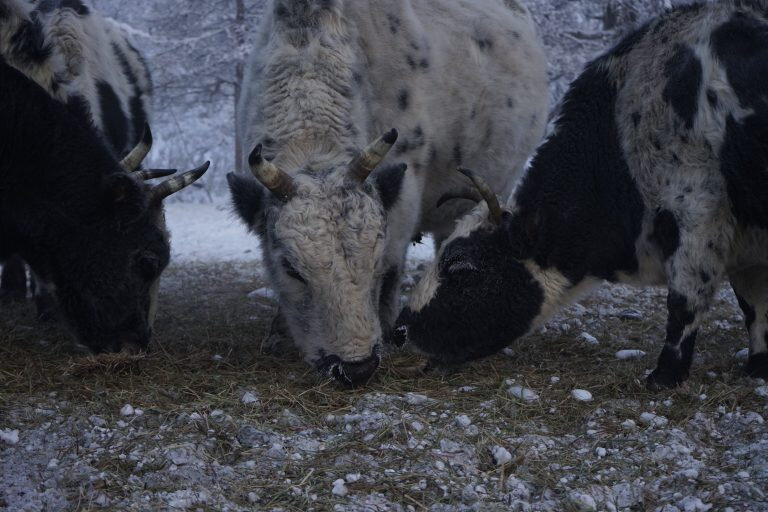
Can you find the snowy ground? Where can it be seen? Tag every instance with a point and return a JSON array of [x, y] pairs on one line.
[[207, 422]]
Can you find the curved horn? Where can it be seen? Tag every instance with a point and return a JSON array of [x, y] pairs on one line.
[[173, 185], [133, 160], [151, 174], [363, 164], [468, 193], [275, 180], [494, 208]]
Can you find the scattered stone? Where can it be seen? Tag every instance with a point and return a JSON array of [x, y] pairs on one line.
[[9, 436], [762, 391], [554, 380], [629, 354], [340, 488], [127, 410], [415, 399], [582, 502], [353, 477], [463, 421], [97, 421], [629, 424], [588, 338], [501, 455], [631, 314], [653, 420], [524, 393], [249, 399], [600, 452], [582, 395], [742, 355]]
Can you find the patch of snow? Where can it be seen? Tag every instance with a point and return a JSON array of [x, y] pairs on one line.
[[249, 398], [762, 391], [629, 354], [582, 395]]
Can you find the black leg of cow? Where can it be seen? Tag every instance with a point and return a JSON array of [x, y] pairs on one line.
[[45, 302], [751, 288], [13, 282]]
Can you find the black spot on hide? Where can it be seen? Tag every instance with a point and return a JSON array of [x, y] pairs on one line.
[[666, 233], [684, 75], [403, 99], [28, 43], [389, 182], [247, 198], [112, 116]]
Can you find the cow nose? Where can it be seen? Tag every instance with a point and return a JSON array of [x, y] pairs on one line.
[[356, 373]]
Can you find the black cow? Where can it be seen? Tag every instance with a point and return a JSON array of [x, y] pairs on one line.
[[83, 223], [656, 171]]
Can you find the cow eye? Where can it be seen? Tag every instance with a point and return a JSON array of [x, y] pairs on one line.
[[292, 272]]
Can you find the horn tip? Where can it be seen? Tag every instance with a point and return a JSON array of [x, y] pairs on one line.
[[204, 168], [390, 137], [255, 157]]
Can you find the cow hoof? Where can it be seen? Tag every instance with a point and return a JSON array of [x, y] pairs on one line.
[[757, 366], [663, 379]]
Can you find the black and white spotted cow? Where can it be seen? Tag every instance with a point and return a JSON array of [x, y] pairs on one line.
[[87, 62], [656, 171], [85, 222], [464, 82]]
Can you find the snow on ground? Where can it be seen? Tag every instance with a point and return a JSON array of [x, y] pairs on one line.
[[211, 232]]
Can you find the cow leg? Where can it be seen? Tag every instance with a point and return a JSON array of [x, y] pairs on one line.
[[13, 282], [691, 289], [751, 288], [45, 302]]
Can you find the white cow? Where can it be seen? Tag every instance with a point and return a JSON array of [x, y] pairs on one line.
[[462, 82]]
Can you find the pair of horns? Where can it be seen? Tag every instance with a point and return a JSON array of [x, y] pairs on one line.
[[283, 186], [132, 164], [480, 192]]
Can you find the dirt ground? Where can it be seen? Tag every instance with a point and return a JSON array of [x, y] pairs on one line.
[[213, 424]]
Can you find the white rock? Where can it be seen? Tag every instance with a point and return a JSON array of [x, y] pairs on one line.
[[501, 455], [127, 410], [353, 477], [742, 355], [253, 497], [600, 452], [53, 463], [263, 293], [762, 391], [588, 338], [249, 398], [653, 420], [582, 502], [526, 394], [138, 412], [440, 465], [340, 488], [582, 395], [554, 379], [9, 436], [629, 424], [691, 504], [415, 399], [463, 421], [629, 354]]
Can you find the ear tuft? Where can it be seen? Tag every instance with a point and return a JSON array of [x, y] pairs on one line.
[[247, 198], [389, 182]]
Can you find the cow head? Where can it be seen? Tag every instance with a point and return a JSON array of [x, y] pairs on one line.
[[324, 234], [479, 294], [106, 277]]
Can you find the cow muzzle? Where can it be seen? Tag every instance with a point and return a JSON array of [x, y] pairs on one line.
[[350, 374]]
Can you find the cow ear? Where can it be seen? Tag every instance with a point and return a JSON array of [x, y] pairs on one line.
[[248, 198], [389, 182], [124, 196]]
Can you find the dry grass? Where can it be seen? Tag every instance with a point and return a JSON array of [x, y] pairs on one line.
[[207, 353]]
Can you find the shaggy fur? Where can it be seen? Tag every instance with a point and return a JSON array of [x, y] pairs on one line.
[[83, 224], [463, 82], [653, 174], [87, 62]]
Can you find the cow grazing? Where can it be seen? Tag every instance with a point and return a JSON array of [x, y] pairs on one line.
[[87, 62], [462, 82], [656, 171], [82, 219]]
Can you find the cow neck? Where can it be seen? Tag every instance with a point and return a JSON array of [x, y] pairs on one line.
[[312, 102]]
